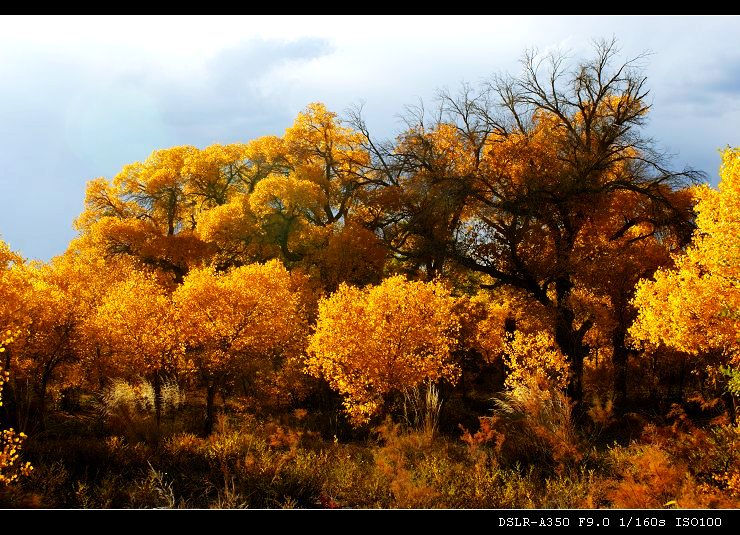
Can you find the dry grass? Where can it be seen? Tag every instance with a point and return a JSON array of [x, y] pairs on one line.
[[529, 454]]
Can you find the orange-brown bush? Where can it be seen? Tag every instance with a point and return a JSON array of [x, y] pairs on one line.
[[537, 427]]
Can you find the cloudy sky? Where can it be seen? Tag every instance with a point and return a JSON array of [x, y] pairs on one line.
[[82, 96]]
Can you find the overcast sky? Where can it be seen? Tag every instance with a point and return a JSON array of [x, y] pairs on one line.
[[82, 96]]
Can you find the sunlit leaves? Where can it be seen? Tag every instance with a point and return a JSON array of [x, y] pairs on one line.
[[10, 441], [229, 319], [694, 308], [382, 339], [137, 319]]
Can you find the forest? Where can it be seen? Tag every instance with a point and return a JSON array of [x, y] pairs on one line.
[[517, 302]]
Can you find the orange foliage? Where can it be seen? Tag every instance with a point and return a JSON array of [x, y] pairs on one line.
[[382, 339], [136, 321], [229, 319], [695, 307], [12, 317]]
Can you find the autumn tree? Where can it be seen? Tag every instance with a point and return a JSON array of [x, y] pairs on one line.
[[295, 198], [87, 278], [12, 319], [233, 321], [610, 266], [371, 342], [506, 181], [10, 441], [415, 192], [46, 343], [226, 221], [58, 301], [13, 286], [148, 210], [137, 319], [314, 206], [513, 330], [695, 307]]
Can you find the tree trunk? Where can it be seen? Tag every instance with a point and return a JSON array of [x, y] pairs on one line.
[[157, 380], [619, 361], [45, 376], [570, 342], [210, 409], [42, 404], [681, 379], [575, 381], [729, 401]]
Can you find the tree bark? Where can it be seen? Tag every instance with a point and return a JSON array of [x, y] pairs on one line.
[[570, 342], [43, 386], [42, 403], [157, 385], [619, 361], [210, 409], [729, 401]]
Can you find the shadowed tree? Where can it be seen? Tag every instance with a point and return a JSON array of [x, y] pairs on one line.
[[508, 181]]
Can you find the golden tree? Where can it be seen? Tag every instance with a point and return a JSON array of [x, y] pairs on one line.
[[13, 287], [230, 205], [695, 307], [10, 441], [313, 203], [225, 220], [232, 322], [137, 320], [506, 182], [387, 338], [148, 210], [59, 300], [507, 328], [11, 319], [612, 255], [47, 341]]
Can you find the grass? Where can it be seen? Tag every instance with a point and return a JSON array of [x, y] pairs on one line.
[[529, 455]]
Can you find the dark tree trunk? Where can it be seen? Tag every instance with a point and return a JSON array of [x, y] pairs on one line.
[[570, 342], [43, 386], [210, 409], [681, 379], [729, 401], [42, 403], [619, 361], [575, 381], [566, 336], [157, 384]]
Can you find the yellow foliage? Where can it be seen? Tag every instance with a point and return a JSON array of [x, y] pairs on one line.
[[10, 441], [289, 197], [696, 306], [382, 339], [137, 320], [354, 255], [247, 313], [526, 344], [535, 359], [13, 288]]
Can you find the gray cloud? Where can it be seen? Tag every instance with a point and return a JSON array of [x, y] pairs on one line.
[[726, 78], [70, 110], [64, 121], [225, 101]]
